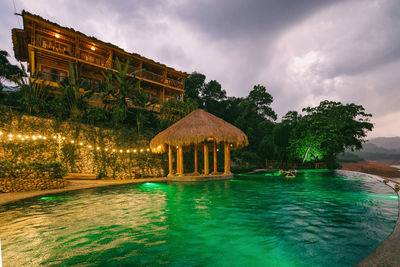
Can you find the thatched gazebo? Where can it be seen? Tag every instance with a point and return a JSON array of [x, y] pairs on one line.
[[198, 130]]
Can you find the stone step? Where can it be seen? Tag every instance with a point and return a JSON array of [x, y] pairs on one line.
[[81, 176]]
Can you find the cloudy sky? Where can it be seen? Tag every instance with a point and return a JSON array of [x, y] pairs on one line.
[[302, 51]]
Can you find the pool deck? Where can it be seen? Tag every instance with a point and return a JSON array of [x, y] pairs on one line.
[[386, 254]]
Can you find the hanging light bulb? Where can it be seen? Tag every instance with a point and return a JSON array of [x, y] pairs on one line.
[[98, 148], [10, 135], [80, 143], [19, 136], [72, 141]]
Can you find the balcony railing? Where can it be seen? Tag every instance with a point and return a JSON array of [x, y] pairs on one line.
[[174, 83], [152, 76]]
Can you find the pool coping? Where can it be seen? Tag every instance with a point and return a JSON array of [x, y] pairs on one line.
[[388, 251]]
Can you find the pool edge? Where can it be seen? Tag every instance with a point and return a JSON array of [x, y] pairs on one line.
[[388, 251]]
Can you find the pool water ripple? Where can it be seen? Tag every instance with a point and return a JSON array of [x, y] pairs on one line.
[[318, 219]]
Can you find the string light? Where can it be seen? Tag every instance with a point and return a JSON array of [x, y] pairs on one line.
[[35, 137]]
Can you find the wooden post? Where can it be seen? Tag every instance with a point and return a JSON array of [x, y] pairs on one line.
[[195, 159], [215, 158], [33, 69], [181, 160], [177, 162], [227, 163], [163, 94], [171, 166], [206, 170]]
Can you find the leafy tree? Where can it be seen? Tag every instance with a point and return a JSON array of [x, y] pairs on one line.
[[329, 129], [262, 99], [194, 86], [173, 110], [8, 71]]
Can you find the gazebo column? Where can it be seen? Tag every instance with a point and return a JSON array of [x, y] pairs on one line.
[[227, 163], [206, 170], [180, 152], [195, 160], [215, 158], [178, 162], [170, 163]]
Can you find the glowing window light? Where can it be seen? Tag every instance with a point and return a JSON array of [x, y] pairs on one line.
[[141, 150], [98, 148], [106, 149], [33, 137], [19, 136], [44, 137], [10, 139], [134, 151], [89, 146], [72, 141], [63, 138], [113, 150], [148, 149], [127, 151], [80, 143], [57, 35], [120, 151], [55, 137], [1, 133], [22, 139], [93, 48], [39, 136], [26, 137]]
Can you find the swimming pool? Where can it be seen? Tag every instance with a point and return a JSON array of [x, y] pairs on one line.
[[317, 218]]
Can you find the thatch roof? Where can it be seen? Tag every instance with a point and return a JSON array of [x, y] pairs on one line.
[[197, 127]]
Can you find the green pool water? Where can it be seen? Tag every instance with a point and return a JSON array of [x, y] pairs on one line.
[[315, 219]]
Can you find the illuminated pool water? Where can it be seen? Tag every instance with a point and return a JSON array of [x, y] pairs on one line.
[[257, 220]]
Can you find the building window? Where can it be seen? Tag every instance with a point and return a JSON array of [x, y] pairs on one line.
[[53, 75]]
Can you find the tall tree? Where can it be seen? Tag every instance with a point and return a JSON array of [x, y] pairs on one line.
[[262, 99], [8, 71], [329, 129]]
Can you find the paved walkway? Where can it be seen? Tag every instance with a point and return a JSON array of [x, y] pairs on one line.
[[72, 185]]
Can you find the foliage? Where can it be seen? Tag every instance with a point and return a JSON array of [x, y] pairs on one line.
[[8, 71], [327, 130], [75, 93], [117, 91], [173, 110]]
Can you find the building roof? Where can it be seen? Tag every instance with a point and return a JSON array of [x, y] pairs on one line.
[[198, 127]]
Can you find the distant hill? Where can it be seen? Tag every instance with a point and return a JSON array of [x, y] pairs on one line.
[[387, 142], [382, 149]]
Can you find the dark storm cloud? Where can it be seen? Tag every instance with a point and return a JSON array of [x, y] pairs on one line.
[[239, 19]]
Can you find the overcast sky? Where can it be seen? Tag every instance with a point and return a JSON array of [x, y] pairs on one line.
[[302, 51]]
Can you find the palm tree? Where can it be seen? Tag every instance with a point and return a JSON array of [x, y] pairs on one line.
[[76, 92], [117, 90], [34, 93]]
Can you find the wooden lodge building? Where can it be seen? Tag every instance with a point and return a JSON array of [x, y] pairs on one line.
[[49, 48]]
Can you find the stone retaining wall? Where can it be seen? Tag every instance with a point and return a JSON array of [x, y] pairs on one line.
[[20, 184]]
